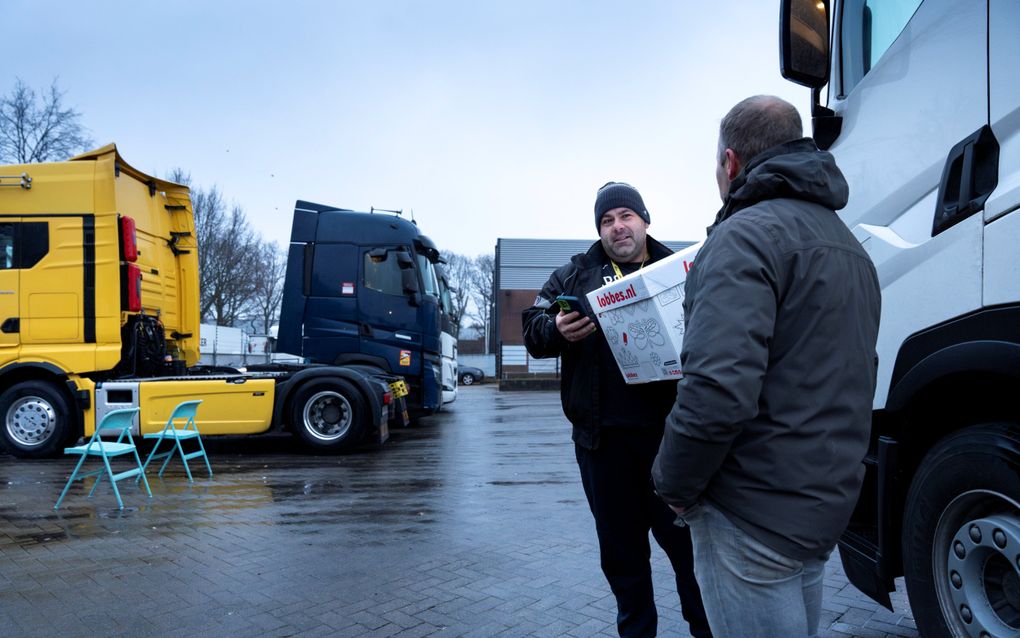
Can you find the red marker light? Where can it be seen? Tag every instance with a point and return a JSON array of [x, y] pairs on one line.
[[131, 280], [128, 239]]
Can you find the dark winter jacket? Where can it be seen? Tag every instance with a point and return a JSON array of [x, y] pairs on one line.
[[592, 390], [773, 414]]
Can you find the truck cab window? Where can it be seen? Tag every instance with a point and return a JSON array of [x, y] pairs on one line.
[[6, 246], [869, 27], [445, 302], [382, 274]]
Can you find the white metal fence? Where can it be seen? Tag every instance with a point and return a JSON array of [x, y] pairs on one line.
[[223, 346], [518, 356]]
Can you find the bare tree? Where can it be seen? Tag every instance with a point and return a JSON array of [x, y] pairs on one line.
[[210, 218], [231, 256], [179, 176], [268, 286], [481, 294], [459, 270], [39, 128], [230, 266]]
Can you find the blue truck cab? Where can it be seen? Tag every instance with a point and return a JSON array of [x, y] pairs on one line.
[[361, 289]]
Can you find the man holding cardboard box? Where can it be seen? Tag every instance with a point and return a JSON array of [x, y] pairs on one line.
[[762, 452], [616, 427]]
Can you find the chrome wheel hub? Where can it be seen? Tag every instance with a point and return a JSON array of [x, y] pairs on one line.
[[31, 421], [327, 415], [978, 584]]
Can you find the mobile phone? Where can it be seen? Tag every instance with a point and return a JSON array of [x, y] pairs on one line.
[[566, 303]]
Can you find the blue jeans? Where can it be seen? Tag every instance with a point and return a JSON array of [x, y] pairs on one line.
[[749, 589]]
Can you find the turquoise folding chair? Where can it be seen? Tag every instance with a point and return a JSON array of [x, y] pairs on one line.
[[119, 422], [185, 411]]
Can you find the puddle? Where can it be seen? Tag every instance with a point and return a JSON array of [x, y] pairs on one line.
[[546, 482], [39, 538]]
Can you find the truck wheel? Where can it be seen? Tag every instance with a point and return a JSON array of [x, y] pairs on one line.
[[328, 415], [467, 379], [961, 535], [36, 420]]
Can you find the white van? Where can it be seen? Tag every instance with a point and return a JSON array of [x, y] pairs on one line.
[[922, 112]]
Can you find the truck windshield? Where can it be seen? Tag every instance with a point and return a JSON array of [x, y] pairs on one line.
[[428, 275]]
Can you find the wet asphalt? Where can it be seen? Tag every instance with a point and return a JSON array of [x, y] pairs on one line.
[[470, 523]]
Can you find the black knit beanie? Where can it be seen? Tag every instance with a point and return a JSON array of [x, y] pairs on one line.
[[619, 195]]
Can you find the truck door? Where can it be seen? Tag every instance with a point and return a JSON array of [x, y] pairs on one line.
[[911, 81], [331, 310], [9, 336], [1002, 232], [54, 275], [42, 271], [389, 326]]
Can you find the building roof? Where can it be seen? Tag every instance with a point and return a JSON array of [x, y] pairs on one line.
[[525, 264]]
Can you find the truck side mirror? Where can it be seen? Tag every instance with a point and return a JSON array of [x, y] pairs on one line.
[[409, 279], [804, 42], [404, 260]]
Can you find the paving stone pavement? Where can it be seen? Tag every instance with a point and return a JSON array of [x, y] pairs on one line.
[[472, 523]]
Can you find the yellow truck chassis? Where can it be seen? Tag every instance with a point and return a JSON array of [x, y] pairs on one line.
[[99, 305]]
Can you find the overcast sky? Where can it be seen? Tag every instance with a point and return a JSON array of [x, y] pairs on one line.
[[487, 119]]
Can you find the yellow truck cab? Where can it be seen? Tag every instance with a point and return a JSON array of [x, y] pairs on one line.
[[99, 296]]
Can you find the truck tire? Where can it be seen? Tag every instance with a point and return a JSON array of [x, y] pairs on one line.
[[37, 419], [961, 535], [328, 415]]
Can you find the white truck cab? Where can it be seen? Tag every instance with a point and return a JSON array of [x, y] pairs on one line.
[[922, 112], [447, 340]]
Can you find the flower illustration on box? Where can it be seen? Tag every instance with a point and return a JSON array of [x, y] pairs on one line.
[[647, 332], [616, 317], [655, 359]]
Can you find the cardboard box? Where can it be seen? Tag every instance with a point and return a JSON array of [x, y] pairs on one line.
[[642, 318]]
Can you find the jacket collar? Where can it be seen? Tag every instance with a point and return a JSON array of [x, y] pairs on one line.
[[597, 257]]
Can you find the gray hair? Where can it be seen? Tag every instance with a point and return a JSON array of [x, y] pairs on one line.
[[758, 123]]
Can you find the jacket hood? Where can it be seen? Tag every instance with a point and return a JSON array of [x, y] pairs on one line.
[[796, 170]]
